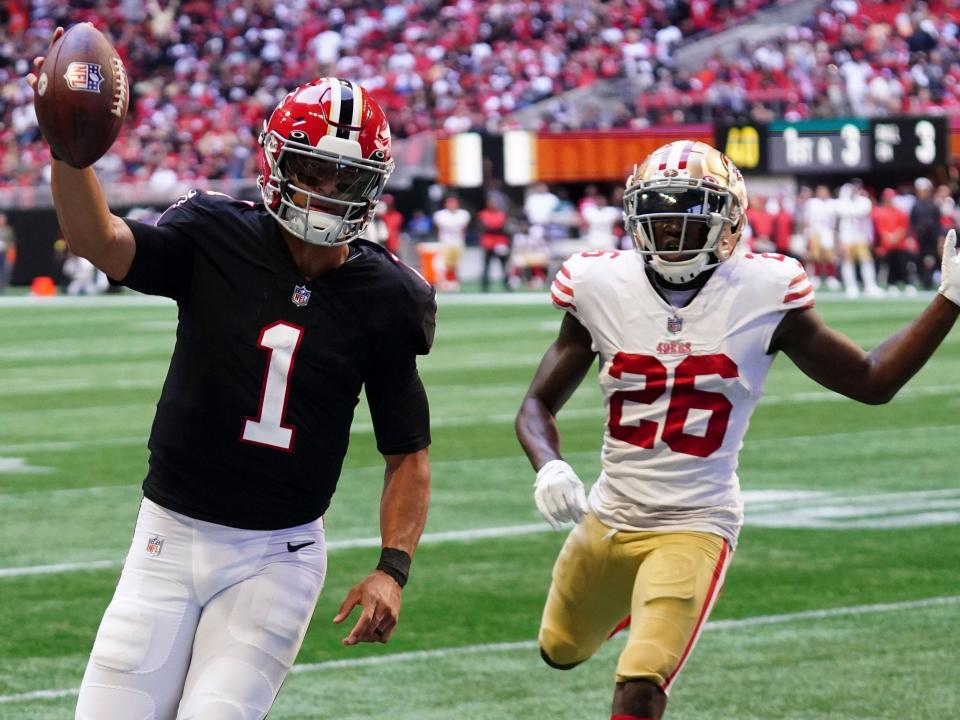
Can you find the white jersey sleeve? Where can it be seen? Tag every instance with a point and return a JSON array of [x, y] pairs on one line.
[[799, 290], [582, 280], [568, 282]]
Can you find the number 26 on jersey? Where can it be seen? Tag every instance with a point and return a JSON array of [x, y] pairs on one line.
[[683, 397]]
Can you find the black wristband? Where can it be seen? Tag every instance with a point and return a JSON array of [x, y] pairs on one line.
[[396, 564]]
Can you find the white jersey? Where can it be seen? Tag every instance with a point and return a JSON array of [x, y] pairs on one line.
[[855, 220], [822, 220], [451, 226], [679, 384], [600, 224]]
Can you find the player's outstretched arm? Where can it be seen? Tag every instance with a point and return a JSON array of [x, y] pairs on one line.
[[558, 491], [88, 226], [403, 513], [838, 363]]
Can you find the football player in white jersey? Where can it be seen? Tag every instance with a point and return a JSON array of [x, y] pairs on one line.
[[686, 329], [821, 212], [855, 230]]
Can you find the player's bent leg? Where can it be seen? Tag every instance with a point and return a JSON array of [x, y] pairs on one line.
[[142, 649], [590, 593], [249, 636], [676, 588]]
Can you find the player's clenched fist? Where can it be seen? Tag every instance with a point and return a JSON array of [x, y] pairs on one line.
[[559, 494]]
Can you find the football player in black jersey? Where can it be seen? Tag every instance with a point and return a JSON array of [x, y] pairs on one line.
[[284, 315]]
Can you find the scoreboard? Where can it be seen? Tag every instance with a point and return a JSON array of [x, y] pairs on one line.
[[819, 146], [836, 145], [909, 142]]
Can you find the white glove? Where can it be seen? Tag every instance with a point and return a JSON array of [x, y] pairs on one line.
[[950, 269], [559, 494]]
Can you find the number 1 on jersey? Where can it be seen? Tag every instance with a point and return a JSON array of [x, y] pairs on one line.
[[281, 341]]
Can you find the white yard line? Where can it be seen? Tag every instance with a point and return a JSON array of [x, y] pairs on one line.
[[526, 645], [57, 387], [332, 546], [72, 445], [40, 695], [103, 301], [58, 568], [596, 411]]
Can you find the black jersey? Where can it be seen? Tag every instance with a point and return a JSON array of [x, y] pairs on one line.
[[254, 417]]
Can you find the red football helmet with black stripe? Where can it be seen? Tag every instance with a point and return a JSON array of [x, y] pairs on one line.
[[325, 161], [685, 207]]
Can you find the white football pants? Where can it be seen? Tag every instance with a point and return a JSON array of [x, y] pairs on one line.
[[206, 620]]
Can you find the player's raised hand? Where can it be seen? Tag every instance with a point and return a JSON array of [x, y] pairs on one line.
[[559, 494], [38, 61], [950, 269], [379, 598]]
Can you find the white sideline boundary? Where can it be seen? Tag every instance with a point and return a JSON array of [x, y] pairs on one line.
[[492, 298], [439, 653]]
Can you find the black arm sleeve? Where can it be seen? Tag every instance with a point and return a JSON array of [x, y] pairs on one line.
[[162, 263], [398, 404]]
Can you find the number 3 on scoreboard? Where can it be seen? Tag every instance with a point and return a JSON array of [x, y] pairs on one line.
[[281, 341]]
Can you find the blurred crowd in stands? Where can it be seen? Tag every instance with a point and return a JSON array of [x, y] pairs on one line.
[[205, 74], [852, 57]]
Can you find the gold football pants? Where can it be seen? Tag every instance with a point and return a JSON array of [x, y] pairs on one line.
[[667, 582]]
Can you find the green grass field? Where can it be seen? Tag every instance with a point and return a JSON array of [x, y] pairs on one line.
[[843, 601]]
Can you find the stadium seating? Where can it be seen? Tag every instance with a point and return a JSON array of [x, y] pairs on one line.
[[205, 74]]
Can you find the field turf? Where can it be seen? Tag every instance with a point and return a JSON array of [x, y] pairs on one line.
[[843, 601]]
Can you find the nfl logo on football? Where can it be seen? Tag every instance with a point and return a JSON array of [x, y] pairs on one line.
[[154, 546], [301, 295], [84, 76]]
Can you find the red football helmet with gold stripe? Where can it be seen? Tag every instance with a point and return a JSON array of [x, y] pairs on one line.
[[325, 161], [684, 207]]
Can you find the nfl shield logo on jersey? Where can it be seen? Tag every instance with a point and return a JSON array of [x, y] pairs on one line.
[[154, 546], [301, 295], [674, 324]]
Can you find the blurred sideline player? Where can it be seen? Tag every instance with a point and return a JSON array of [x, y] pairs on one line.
[[686, 329], [855, 231], [451, 222], [283, 316], [821, 212]]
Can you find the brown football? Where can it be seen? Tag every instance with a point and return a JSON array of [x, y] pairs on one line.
[[81, 96]]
